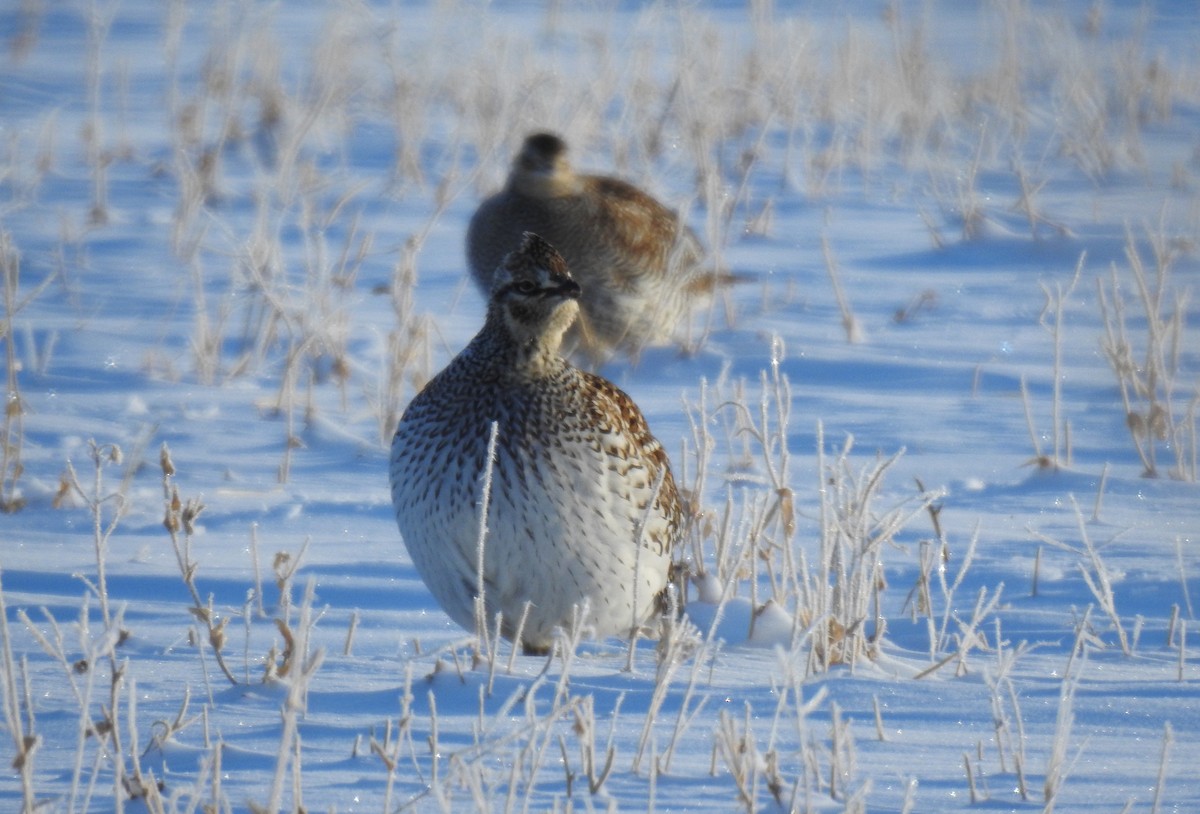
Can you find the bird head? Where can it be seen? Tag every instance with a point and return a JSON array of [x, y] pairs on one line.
[[534, 295], [541, 167]]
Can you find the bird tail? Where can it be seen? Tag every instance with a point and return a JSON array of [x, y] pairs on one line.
[[709, 280]]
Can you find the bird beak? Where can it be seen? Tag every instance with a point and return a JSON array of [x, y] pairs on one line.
[[569, 290]]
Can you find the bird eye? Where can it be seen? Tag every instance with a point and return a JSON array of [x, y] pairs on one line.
[[526, 287]]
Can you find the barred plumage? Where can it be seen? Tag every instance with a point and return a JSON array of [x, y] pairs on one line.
[[574, 518]]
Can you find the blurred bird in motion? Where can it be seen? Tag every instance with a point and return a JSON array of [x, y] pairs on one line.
[[640, 268]]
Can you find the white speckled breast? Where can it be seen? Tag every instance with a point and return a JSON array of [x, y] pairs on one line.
[[568, 494]]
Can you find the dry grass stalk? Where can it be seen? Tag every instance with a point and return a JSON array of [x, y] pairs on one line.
[[1183, 585], [850, 323], [1095, 574], [307, 662], [286, 658], [114, 727], [485, 646], [406, 364], [739, 757], [848, 580], [396, 741], [1055, 306], [585, 729], [1149, 380], [20, 723], [1057, 768], [179, 519], [1182, 649], [753, 536], [12, 432], [1164, 756]]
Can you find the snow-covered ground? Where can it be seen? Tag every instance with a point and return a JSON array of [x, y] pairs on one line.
[[232, 236]]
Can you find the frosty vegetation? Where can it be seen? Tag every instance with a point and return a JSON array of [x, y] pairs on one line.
[[939, 448]]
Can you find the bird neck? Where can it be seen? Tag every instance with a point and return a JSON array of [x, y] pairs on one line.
[[558, 184], [515, 353]]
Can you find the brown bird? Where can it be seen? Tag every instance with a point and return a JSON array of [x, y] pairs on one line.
[[639, 267], [582, 510]]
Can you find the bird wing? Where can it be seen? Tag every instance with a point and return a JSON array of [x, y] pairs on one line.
[[640, 444], [640, 225]]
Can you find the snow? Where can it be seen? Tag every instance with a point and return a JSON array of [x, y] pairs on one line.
[[210, 218]]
